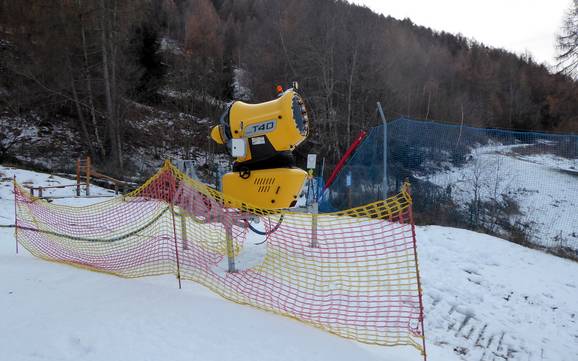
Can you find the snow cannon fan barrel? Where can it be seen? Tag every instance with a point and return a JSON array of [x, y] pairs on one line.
[[261, 138]]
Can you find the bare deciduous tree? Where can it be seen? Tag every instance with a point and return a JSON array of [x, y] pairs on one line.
[[567, 42]]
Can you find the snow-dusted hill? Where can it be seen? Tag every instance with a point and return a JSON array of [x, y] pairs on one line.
[[153, 135], [485, 299], [542, 186]]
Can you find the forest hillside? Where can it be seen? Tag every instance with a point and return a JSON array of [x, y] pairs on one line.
[[130, 80]]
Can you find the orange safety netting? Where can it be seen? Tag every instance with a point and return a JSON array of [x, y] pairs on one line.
[[353, 273]]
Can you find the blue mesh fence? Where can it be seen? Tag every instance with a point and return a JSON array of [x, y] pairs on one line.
[[522, 186], [361, 179]]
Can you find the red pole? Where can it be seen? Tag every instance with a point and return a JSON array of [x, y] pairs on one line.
[[176, 245], [344, 159], [172, 200], [421, 309], [15, 214]]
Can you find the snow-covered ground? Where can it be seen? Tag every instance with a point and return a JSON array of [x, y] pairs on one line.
[[485, 299], [494, 300], [544, 186]]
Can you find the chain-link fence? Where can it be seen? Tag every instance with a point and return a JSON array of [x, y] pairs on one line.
[[522, 186]]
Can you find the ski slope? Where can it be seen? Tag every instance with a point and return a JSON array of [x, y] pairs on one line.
[[485, 299]]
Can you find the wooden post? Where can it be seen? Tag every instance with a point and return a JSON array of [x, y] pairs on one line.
[[88, 166], [77, 177]]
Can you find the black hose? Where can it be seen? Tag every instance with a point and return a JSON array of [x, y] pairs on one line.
[[110, 240], [264, 233]]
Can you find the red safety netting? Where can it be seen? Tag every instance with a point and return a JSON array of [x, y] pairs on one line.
[[353, 273]]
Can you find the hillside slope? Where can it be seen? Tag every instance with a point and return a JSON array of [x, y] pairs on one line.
[[542, 189], [190, 57]]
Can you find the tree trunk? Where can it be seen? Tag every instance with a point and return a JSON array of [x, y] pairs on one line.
[[89, 86], [110, 107], [114, 88], [349, 94], [81, 117]]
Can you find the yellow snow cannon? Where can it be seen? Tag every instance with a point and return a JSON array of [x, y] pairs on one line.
[[262, 138]]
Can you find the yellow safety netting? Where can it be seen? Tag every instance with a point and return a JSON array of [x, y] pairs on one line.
[[353, 273]]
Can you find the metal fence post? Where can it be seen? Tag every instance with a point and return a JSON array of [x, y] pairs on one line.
[[314, 220], [380, 109], [230, 247]]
